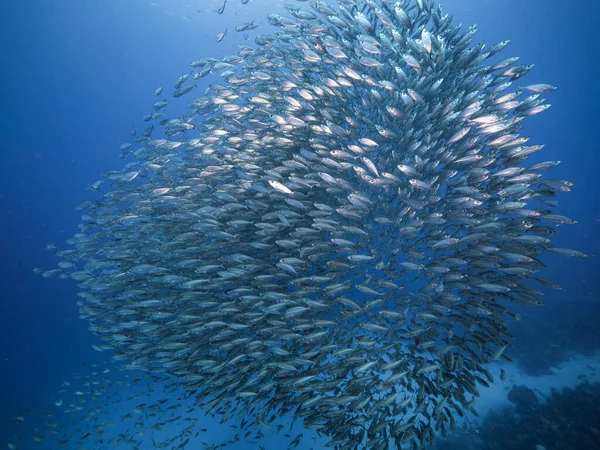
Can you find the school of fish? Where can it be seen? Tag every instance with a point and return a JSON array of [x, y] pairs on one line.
[[336, 228]]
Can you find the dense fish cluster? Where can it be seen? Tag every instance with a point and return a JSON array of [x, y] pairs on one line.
[[337, 229]]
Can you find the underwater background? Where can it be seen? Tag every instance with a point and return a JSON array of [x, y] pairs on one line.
[[78, 75]]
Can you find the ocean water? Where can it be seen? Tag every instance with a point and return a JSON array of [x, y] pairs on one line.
[[78, 75]]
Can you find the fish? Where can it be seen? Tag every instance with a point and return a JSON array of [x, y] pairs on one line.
[[246, 26], [255, 249], [540, 87], [221, 35]]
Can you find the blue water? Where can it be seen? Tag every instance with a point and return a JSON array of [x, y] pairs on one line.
[[77, 75]]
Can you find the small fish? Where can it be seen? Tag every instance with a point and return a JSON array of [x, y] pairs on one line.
[[540, 87], [221, 35]]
